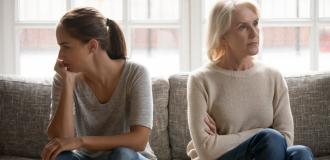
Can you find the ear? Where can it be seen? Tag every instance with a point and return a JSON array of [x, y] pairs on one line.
[[93, 45]]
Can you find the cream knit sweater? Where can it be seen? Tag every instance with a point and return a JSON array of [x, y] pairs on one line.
[[241, 103]]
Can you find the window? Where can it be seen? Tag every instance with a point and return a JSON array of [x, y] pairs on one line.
[[287, 35], [296, 39], [152, 28], [35, 32], [168, 36], [324, 35]]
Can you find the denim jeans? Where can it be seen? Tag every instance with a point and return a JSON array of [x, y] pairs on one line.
[[267, 144], [120, 153]]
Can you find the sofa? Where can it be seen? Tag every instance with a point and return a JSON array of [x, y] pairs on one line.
[[25, 105]]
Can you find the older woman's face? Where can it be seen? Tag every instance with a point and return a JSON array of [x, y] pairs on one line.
[[242, 39]]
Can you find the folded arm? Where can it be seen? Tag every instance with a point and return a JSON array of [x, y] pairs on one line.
[[208, 146]]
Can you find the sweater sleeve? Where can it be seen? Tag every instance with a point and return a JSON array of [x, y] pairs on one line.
[[283, 121], [208, 146]]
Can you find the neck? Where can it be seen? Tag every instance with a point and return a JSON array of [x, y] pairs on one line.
[[103, 70], [236, 64]]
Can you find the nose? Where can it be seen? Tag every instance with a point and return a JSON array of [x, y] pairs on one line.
[[254, 32], [60, 54]]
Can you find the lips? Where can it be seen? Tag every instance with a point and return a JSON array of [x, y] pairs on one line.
[[67, 66], [253, 43]]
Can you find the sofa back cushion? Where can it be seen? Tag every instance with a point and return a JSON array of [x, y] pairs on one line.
[[24, 108], [178, 124], [159, 139], [310, 104]]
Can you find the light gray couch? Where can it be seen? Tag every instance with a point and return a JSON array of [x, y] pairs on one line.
[[24, 114]]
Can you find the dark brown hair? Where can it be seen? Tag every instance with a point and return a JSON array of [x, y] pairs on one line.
[[87, 23]]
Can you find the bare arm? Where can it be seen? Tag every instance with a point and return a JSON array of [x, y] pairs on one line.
[[137, 139], [61, 126]]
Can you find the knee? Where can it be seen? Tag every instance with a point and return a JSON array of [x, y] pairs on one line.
[[66, 155], [299, 152], [122, 153], [272, 137]]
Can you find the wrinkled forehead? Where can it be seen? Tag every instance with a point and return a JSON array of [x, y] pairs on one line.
[[252, 5], [243, 13]]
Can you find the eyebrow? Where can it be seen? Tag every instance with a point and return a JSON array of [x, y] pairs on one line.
[[62, 43], [244, 22]]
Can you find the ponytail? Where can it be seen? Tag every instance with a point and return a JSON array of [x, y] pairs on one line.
[[117, 45], [87, 23]]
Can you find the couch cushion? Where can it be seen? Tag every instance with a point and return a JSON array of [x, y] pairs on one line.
[[178, 124], [24, 108], [159, 135], [310, 104], [323, 158], [15, 158]]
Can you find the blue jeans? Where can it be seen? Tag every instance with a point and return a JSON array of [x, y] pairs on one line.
[[267, 144], [120, 153]]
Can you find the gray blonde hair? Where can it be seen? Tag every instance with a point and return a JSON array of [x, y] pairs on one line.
[[220, 22]]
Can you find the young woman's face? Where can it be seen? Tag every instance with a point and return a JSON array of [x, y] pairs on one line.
[[72, 51], [242, 39]]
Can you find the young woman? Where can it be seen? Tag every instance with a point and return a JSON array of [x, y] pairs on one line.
[[238, 108], [101, 103]]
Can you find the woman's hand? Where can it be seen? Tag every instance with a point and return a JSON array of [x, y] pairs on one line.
[[211, 126], [58, 145], [64, 72]]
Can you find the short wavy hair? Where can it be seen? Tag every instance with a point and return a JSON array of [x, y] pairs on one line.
[[219, 24]]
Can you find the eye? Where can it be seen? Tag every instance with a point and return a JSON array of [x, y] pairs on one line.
[[65, 47], [242, 27], [256, 23]]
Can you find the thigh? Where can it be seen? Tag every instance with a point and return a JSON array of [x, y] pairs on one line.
[[238, 153], [141, 157], [267, 144], [69, 155], [122, 153], [299, 152]]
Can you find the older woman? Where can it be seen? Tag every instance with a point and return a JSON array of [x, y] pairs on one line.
[[239, 108]]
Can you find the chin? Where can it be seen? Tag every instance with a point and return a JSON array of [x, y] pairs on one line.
[[71, 70], [253, 52]]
